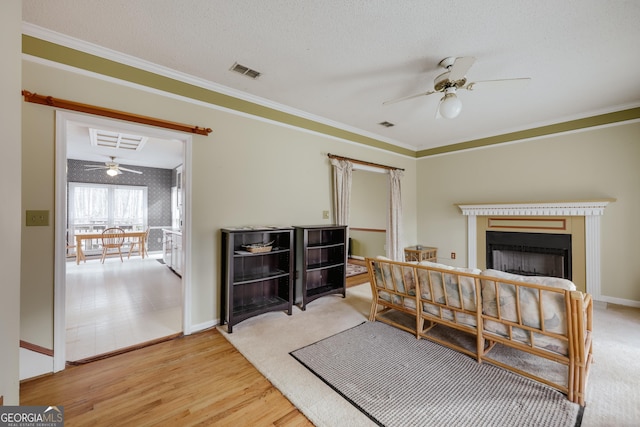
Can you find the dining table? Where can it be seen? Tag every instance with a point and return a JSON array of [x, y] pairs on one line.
[[128, 236]]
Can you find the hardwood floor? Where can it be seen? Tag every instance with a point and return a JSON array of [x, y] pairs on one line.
[[196, 379]]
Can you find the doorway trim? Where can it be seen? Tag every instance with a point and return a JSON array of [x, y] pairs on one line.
[[62, 118]]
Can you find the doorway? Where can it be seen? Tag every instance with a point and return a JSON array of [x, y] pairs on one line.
[[368, 216], [118, 304]]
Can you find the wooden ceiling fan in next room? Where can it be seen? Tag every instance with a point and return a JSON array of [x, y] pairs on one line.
[[454, 79]]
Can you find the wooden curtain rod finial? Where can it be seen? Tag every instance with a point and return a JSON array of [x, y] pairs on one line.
[[113, 114], [28, 96], [198, 130]]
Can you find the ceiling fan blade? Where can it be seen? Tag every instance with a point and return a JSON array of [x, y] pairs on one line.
[[519, 82], [98, 168], [129, 170], [404, 98], [438, 116], [460, 67]]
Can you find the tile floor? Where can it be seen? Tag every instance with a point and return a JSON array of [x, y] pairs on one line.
[[119, 304]]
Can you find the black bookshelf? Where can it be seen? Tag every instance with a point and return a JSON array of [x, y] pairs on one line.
[[321, 256], [256, 282]]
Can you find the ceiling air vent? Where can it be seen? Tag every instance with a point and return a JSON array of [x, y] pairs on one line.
[[108, 139], [245, 71], [386, 124]]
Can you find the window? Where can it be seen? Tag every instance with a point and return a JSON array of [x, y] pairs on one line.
[[95, 207]]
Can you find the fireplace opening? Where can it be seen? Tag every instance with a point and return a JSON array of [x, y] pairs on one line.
[[530, 254]]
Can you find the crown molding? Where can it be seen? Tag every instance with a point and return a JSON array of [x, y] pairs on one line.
[[132, 61], [358, 136]]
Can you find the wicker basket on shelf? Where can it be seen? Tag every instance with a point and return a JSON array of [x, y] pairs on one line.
[[256, 248]]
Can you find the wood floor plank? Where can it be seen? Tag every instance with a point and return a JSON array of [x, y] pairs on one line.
[[197, 379]]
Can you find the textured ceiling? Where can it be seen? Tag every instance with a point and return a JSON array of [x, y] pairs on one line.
[[338, 60]]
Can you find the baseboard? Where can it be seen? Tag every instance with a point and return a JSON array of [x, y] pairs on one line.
[[125, 350], [203, 326], [619, 301]]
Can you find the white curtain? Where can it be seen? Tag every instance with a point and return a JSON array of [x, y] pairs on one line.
[[395, 250], [128, 207], [87, 204], [342, 173], [105, 205]]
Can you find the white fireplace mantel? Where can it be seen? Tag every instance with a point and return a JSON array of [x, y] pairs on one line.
[[589, 208], [592, 211]]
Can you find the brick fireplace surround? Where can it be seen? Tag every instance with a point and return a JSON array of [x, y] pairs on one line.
[[590, 210]]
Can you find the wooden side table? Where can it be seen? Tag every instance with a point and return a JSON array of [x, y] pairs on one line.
[[420, 253]]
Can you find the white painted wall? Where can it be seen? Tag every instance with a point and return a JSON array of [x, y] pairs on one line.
[[10, 208]]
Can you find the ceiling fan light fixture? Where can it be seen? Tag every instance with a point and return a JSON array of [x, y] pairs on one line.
[[450, 105], [112, 172]]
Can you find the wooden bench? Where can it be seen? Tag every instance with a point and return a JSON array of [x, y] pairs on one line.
[[542, 316]]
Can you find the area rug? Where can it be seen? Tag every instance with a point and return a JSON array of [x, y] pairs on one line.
[[397, 380], [354, 269]]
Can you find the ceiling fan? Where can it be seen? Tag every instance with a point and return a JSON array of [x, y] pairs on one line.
[[112, 168], [449, 82]]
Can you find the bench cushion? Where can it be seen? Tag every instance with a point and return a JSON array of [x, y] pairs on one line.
[[442, 288], [553, 308], [397, 279]]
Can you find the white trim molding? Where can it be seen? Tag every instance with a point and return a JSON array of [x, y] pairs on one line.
[[587, 208], [592, 210], [63, 118]]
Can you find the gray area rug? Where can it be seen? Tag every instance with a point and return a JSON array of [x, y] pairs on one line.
[[397, 380]]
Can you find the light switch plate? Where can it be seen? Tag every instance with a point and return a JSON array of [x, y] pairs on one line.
[[37, 218]]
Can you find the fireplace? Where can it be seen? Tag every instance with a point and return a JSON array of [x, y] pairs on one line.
[[529, 254], [585, 246]]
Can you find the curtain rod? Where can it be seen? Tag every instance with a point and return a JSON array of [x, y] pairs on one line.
[[362, 162], [113, 114]]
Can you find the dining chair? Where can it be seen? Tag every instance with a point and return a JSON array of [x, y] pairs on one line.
[[135, 245], [112, 238], [71, 245]]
